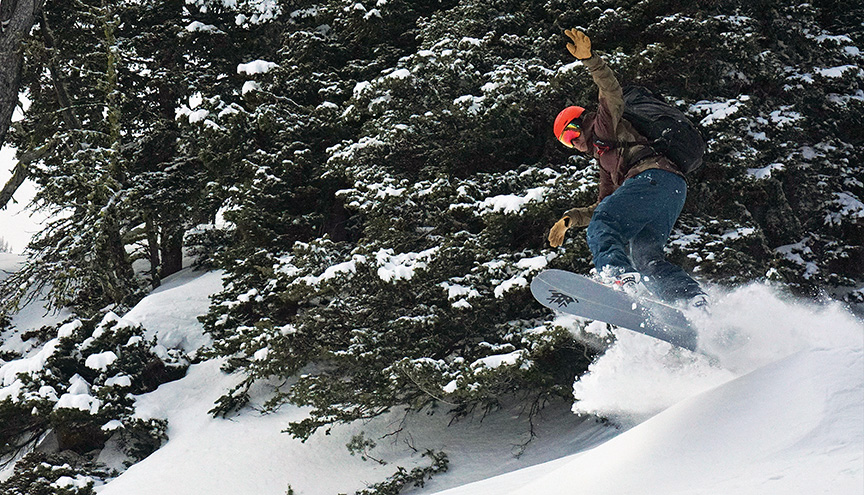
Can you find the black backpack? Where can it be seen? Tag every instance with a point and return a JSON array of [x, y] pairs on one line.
[[667, 129]]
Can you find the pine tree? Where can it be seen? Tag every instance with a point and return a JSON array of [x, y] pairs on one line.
[[417, 280], [426, 141], [80, 256], [121, 163]]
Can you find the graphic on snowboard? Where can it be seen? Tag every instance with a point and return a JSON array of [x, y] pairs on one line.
[[561, 299], [579, 295]]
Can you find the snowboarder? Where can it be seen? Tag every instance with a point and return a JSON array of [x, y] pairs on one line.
[[641, 192]]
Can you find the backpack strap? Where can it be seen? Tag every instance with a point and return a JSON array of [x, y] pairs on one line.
[[608, 145], [604, 146]]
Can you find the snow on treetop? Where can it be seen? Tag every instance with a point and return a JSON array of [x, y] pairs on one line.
[[68, 483], [250, 86], [399, 74], [511, 203], [848, 206], [784, 116], [200, 27], [360, 88], [68, 329], [507, 285], [348, 267], [100, 361], [78, 397], [455, 291], [256, 67], [738, 233], [499, 359], [401, 266], [535, 263], [471, 41], [9, 372], [718, 110], [838, 71], [470, 103], [765, 172]]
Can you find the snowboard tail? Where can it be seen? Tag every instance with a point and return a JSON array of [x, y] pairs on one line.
[[579, 295]]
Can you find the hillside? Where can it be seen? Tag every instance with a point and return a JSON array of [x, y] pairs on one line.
[[783, 414], [286, 246], [791, 427]]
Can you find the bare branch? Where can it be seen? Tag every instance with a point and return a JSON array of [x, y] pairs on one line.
[[20, 172]]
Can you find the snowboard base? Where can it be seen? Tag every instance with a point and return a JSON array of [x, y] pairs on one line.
[[578, 295]]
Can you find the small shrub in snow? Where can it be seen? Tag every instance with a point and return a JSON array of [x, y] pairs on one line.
[[55, 474], [78, 388], [403, 478]]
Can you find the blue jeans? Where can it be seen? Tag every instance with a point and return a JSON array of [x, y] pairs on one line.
[[630, 227]]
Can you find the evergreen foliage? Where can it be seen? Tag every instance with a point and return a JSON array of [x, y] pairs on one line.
[[376, 180], [78, 389], [53, 474], [80, 256], [401, 302], [403, 478], [119, 179], [406, 156]]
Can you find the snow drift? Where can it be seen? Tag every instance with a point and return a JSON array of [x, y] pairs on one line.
[[781, 413], [779, 409]]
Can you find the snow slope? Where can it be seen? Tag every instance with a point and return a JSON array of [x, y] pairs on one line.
[[31, 317], [779, 410], [249, 453], [792, 427], [170, 313], [791, 423]]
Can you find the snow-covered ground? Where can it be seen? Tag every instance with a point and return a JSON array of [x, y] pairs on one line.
[[784, 414], [778, 411], [32, 316], [793, 427]]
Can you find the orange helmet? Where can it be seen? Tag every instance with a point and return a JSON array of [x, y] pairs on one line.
[[565, 117]]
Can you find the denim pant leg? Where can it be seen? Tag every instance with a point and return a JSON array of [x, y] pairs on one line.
[[608, 236], [644, 209], [668, 281], [622, 215]]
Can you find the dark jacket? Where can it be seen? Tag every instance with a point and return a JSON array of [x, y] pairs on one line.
[[606, 126]]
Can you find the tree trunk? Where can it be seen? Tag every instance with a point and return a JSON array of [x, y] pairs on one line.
[[153, 246], [172, 250], [17, 17], [20, 172], [118, 285]]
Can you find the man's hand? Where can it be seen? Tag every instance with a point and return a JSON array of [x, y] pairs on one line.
[[577, 217], [556, 234], [581, 217], [581, 46]]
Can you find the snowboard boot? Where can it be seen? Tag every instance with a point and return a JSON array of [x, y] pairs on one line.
[[628, 282]]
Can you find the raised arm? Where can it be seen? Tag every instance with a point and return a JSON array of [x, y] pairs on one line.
[[611, 97]]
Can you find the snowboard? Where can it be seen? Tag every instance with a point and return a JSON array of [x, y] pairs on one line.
[[581, 296]]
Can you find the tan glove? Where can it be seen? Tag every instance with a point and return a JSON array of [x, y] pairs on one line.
[[556, 233], [577, 217], [581, 217], [581, 46]]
